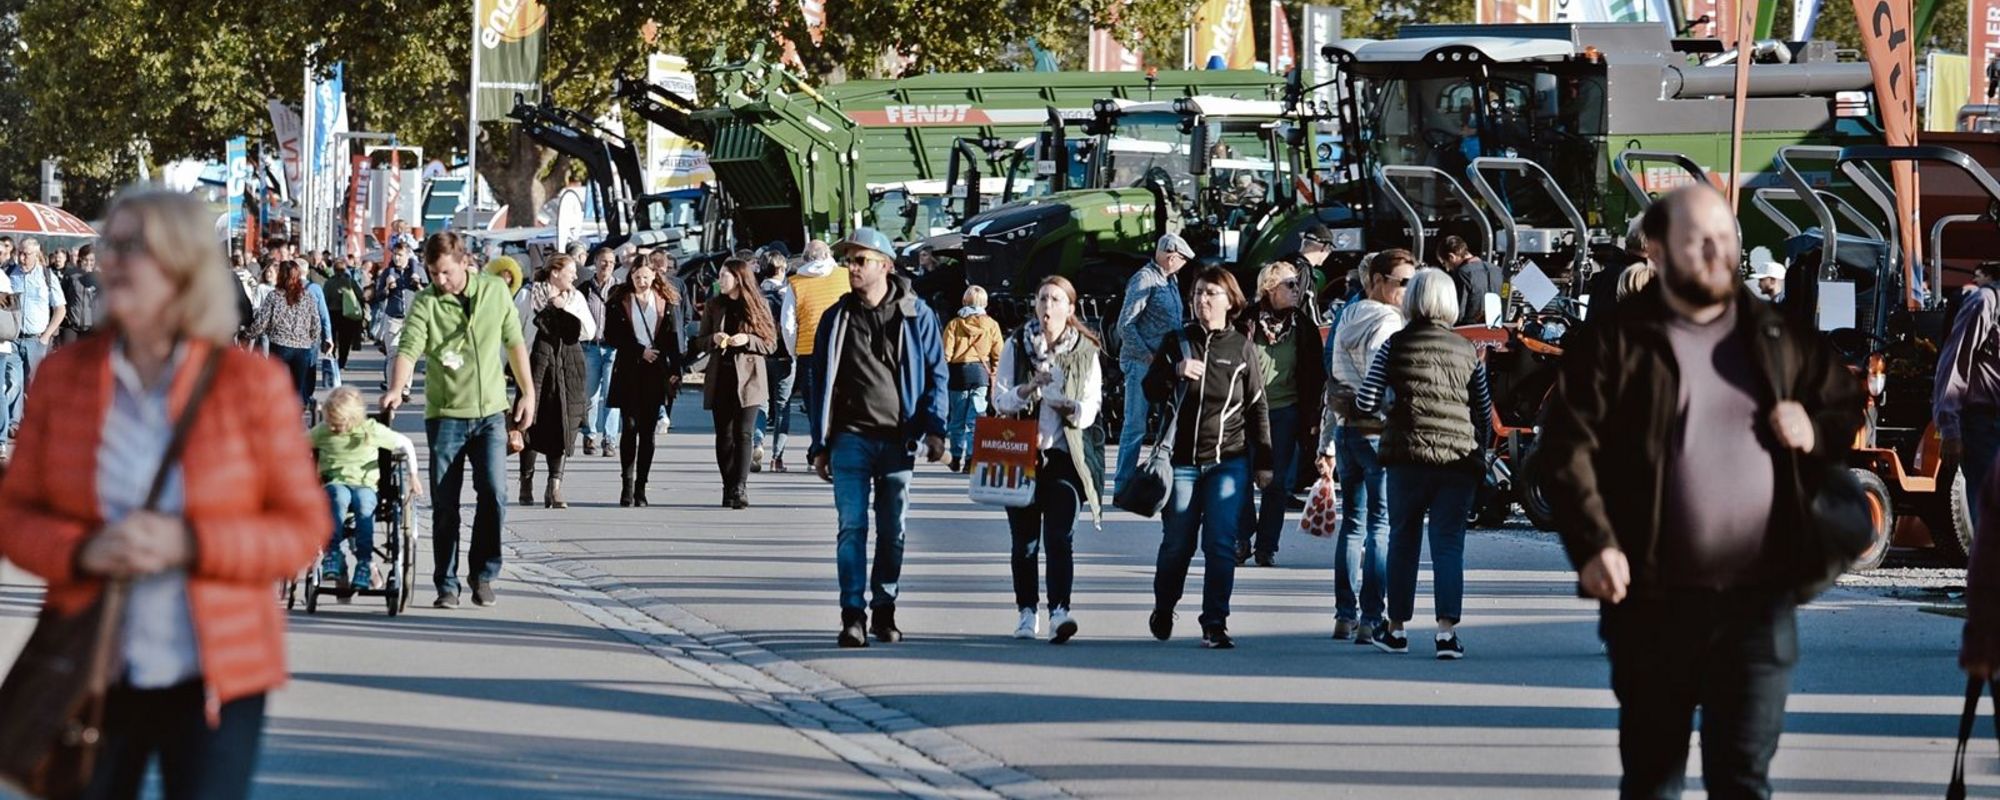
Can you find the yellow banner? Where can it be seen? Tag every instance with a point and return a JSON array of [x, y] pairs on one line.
[[1951, 83], [1223, 36]]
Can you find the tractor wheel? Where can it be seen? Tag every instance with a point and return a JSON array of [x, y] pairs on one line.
[[1881, 519], [1533, 495], [1950, 521]]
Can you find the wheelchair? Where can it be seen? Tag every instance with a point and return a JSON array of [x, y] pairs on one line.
[[395, 554]]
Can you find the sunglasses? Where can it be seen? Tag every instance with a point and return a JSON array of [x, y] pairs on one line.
[[1396, 281], [861, 261]]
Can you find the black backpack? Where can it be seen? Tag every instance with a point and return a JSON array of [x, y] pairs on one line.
[[84, 302]]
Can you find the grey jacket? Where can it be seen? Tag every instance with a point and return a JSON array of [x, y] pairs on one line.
[[1152, 311]]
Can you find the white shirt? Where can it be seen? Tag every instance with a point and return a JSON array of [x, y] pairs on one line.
[[1049, 428], [159, 638]]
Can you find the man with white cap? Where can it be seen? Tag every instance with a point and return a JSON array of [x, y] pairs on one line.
[[1770, 279], [1152, 310]]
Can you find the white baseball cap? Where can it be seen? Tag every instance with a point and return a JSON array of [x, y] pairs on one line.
[[1173, 243], [1770, 269]]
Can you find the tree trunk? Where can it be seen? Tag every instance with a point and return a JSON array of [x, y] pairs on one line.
[[516, 180]]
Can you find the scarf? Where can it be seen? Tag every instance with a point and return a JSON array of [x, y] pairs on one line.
[[1272, 325], [969, 312], [1032, 336]]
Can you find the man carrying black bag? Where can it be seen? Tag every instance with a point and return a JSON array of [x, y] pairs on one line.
[[1686, 454]]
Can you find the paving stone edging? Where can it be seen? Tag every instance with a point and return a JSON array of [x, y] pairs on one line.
[[895, 747]]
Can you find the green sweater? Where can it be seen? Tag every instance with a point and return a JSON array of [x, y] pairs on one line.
[[351, 459], [467, 357]]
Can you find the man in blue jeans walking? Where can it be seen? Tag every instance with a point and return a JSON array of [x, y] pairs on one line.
[[460, 325], [883, 357], [1152, 310], [600, 421]]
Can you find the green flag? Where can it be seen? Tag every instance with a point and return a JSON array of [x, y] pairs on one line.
[[507, 42]]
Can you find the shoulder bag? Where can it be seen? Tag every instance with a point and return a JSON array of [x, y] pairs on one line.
[[52, 702], [1839, 525], [1149, 487]]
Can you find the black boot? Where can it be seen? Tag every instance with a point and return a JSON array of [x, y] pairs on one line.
[[625, 490], [552, 496], [884, 628], [853, 628], [639, 495], [527, 479]]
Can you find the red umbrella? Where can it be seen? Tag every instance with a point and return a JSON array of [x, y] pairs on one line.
[[22, 218]]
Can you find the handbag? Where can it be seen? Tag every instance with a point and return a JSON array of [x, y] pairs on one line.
[[1974, 687], [1839, 524], [1149, 487], [1003, 462], [52, 702]]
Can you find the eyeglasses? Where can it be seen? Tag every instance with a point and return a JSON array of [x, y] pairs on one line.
[[1210, 293], [862, 261]]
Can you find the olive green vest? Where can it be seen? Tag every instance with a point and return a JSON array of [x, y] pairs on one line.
[[1430, 421]]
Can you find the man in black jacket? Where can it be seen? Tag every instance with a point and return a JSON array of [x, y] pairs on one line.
[[1474, 277], [1688, 530]]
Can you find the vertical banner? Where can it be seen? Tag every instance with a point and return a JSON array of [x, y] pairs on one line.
[[1223, 36], [1322, 28], [508, 54], [1805, 17], [1885, 41], [357, 207], [1949, 86], [1510, 12], [673, 161], [286, 128], [235, 154], [1107, 54], [1284, 48], [1982, 39], [326, 116], [815, 13], [1746, 38]]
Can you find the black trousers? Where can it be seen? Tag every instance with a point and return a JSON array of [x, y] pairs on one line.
[[1729, 653], [196, 762], [636, 435], [1049, 524], [733, 427], [346, 336]]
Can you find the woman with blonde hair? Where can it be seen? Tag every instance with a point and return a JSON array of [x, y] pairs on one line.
[[1440, 421], [972, 350], [183, 551], [1294, 376], [555, 319]]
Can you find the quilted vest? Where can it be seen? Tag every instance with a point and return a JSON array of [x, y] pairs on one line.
[[1430, 420]]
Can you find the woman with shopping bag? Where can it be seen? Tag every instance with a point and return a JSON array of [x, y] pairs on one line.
[[1049, 371]]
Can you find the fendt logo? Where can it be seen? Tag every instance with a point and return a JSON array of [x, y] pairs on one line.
[[929, 114], [509, 20]]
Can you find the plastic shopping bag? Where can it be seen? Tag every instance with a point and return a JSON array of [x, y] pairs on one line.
[[1322, 516]]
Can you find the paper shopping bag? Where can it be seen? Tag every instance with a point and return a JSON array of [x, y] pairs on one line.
[[1003, 462]]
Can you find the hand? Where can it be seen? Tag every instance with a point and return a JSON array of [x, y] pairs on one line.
[[650, 355], [1793, 426], [47, 338], [1192, 369], [1043, 378], [720, 340], [934, 448], [1326, 466], [1263, 477], [391, 401], [822, 468], [1063, 407], [1024, 391], [1606, 576], [739, 340], [524, 408], [141, 544], [1952, 450]]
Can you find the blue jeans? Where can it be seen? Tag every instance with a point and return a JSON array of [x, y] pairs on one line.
[[1980, 431], [13, 389], [600, 420], [298, 363], [777, 412], [1206, 503], [1360, 556], [31, 351], [967, 406], [360, 501], [1445, 495], [1131, 434], [1264, 520], [864, 466], [170, 727], [453, 442]]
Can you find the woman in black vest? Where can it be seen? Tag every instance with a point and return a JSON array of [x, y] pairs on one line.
[[642, 321], [1211, 373], [1440, 421], [556, 319], [737, 332], [1049, 368]]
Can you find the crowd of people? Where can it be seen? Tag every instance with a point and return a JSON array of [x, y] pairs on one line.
[[1695, 568]]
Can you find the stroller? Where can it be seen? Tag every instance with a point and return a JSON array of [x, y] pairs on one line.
[[395, 547]]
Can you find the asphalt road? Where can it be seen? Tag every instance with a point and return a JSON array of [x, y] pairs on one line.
[[687, 650]]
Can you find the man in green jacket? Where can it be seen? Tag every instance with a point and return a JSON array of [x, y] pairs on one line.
[[460, 325]]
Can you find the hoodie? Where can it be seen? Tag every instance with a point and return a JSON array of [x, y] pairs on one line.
[[1365, 325], [918, 352]]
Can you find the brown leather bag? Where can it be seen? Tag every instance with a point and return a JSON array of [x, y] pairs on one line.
[[52, 703]]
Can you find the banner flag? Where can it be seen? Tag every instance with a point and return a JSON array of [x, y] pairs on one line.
[[1284, 48], [236, 156], [815, 13], [285, 127], [509, 57], [1886, 42], [1983, 41], [673, 161], [1322, 28], [1223, 36]]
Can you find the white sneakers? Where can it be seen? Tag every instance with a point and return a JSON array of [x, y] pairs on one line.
[[1031, 625]]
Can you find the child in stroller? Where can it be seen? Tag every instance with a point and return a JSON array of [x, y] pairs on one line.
[[347, 443]]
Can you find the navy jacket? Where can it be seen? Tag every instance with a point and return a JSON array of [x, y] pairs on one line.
[[921, 374]]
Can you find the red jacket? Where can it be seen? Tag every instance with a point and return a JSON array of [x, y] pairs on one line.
[[253, 500]]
